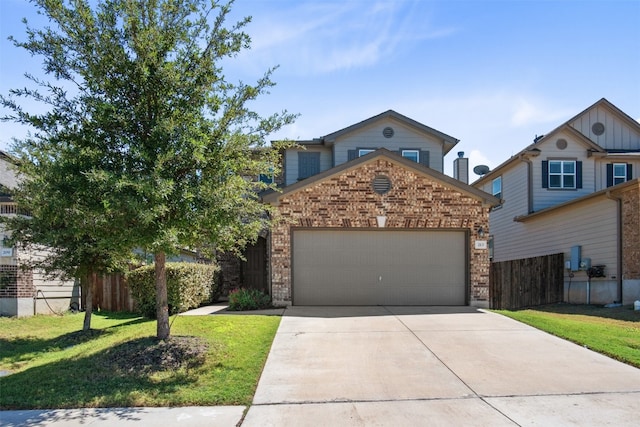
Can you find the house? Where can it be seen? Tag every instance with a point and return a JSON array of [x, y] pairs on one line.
[[367, 217], [26, 292], [575, 191]]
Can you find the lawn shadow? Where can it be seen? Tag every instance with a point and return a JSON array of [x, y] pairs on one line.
[[23, 349], [43, 417], [109, 378], [624, 313]]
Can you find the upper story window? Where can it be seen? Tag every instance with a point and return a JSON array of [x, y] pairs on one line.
[[496, 187], [365, 151], [562, 174], [411, 155], [618, 173]]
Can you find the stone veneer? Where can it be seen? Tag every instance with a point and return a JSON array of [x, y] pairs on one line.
[[346, 199], [631, 232]]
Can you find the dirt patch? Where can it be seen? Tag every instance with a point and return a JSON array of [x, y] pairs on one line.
[[148, 355]]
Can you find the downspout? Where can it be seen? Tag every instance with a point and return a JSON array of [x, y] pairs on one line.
[[619, 248], [525, 157]]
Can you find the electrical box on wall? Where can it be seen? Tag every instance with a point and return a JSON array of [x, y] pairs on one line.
[[575, 258]]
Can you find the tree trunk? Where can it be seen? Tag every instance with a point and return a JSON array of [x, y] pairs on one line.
[[162, 304], [86, 282]]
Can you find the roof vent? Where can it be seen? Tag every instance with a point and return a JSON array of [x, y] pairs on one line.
[[597, 128], [388, 132], [381, 184]]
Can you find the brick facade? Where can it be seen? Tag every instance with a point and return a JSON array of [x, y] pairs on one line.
[[631, 232], [346, 199]]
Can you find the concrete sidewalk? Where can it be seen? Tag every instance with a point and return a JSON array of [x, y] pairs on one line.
[[450, 366]]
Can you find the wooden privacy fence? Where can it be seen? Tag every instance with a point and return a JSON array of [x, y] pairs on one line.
[[526, 282], [111, 293]]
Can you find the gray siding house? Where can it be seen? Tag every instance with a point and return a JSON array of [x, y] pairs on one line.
[[575, 191]]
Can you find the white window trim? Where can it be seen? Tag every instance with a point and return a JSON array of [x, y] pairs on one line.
[[416, 152], [562, 174], [365, 151], [618, 179], [493, 192]]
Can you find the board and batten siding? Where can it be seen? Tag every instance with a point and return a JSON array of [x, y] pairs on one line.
[[546, 197], [291, 162], [403, 138], [618, 135]]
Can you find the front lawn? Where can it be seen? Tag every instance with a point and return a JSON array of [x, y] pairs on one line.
[[52, 364], [611, 331]]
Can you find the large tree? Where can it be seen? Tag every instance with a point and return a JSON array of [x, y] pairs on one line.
[[172, 142]]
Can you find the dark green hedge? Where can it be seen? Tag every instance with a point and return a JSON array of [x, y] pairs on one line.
[[189, 285]]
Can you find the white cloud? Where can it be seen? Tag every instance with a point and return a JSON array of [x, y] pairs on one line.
[[323, 37], [528, 111]]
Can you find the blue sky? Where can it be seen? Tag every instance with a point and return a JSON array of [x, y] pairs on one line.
[[491, 73]]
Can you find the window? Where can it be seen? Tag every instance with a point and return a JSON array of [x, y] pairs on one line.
[[411, 155], [618, 173], [308, 164], [365, 151], [496, 187], [562, 174]]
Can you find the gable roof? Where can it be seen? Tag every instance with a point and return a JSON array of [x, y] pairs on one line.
[[487, 198], [566, 127], [448, 141]]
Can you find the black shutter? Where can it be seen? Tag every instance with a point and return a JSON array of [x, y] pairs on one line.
[[545, 174], [578, 174], [352, 154], [308, 164], [629, 172], [609, 174], [424, 158]]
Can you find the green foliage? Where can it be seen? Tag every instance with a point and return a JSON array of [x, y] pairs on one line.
[[189, 285], [142, 133], [248, 299]]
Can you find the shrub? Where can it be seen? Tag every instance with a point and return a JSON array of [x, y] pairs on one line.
[[248, 299], [189, 285]]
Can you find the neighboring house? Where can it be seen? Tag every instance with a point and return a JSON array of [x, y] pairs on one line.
[[25, 292], [575, 191], [367, 217]]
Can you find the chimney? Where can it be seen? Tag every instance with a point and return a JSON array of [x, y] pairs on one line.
[[461, 168]]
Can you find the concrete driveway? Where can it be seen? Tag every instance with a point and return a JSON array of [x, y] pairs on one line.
[[450, 366]]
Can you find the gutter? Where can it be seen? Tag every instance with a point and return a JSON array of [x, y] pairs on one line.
[[619, 248]]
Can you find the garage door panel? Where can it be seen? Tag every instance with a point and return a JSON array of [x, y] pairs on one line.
[[355, 267]]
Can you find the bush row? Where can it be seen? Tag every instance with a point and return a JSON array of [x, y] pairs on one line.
[[189, 285]]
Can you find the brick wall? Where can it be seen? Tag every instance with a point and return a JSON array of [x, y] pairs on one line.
[[348, 200], [631, 233], [16, 282]]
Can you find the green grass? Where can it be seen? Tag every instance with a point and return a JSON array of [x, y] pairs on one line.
[[53, 365], [614, 332]]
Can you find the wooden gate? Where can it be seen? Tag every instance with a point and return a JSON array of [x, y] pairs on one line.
[[111, 293], [526, 282]]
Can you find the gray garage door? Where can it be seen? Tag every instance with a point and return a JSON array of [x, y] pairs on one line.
[[379, 267]]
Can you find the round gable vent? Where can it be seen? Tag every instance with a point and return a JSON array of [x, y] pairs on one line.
[[387, 132], [561, 144], [597, 128], [381, 184]]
